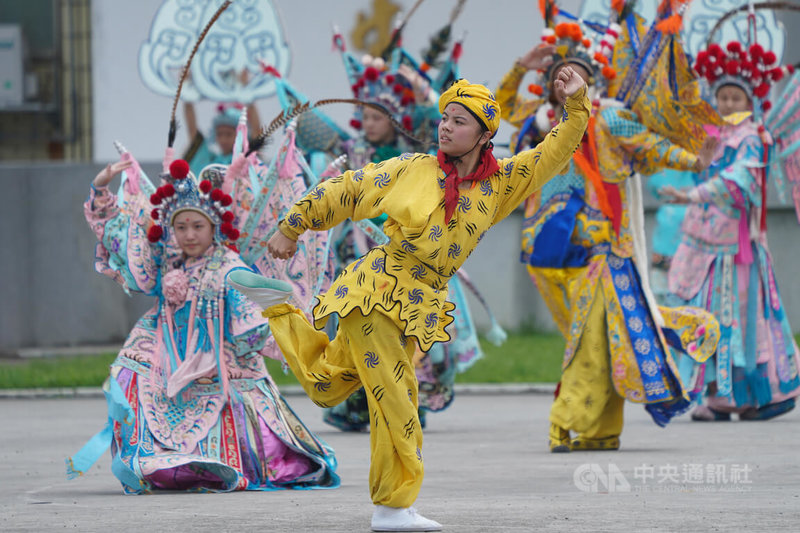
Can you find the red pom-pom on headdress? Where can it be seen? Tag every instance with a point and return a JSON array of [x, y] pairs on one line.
[[371, 73], [233, 234], [154, 214], [154, 233], [179, 169], [155, 198], [226, 200], [205, 186], [216, 195], [167, 190], [227, 216], [355, 124]]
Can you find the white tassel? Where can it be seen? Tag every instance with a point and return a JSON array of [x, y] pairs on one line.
[[640, 262]]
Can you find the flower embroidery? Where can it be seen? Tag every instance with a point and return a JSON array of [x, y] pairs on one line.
[[175, 286]]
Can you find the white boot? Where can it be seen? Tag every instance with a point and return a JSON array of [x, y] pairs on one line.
[[264, 292], [401, 519]]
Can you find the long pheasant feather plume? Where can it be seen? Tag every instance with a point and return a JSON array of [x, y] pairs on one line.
[[440, 39], [398, 32], [284, 118], [279, 121], [185, 72]]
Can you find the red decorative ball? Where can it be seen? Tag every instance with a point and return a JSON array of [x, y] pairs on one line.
[[154, 233], [205, 186], [216, 195], [167, 190], [734, 46], [398, 88], [227, 216], [233, 234], [155, 198], [389, 78], [179, 169], [226, 200], [766, 106], [762, 90], [225, 228], [770, 58], [371, 73], [406, 100], [776, 74], [154, 214], [756, 50], [356, 124], [407, 122], [732, 68]]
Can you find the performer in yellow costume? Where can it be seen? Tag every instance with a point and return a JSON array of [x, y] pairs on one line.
[[583, 246], [393, 298]]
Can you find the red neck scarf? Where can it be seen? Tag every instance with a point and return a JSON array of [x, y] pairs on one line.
[[487, 165]]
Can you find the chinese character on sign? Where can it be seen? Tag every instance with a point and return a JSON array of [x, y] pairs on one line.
[[668, 472], [740, 474], [715, 473], [692, 473], [642, 473]]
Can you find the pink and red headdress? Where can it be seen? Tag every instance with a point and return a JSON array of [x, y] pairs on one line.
[[750, 68], [181, 191]]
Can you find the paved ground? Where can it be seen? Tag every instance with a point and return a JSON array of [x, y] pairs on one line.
[[488, 469]]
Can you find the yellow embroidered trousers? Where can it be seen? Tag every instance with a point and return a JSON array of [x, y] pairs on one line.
[[587, 401], [371, 352]]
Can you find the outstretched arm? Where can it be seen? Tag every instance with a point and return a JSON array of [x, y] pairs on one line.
[[527, 171], [514, 108]]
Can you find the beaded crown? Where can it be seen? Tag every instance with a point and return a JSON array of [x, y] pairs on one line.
[[181, 191]]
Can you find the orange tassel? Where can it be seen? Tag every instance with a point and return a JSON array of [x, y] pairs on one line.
[[618, 5], [671, 25]]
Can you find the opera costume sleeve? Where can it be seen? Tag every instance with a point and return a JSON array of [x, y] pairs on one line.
[[514, 109], [355, 195], [123, 252], [623, 141], [736, 183], [527, 171]]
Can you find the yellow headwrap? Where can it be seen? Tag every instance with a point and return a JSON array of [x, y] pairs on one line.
[[475, 97]]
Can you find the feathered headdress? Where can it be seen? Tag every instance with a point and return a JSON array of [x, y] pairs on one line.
[[575, 46]]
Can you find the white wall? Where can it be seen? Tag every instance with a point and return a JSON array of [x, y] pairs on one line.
[[497, 33]]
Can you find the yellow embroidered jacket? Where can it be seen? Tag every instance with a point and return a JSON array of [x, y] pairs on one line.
[[407, 277]]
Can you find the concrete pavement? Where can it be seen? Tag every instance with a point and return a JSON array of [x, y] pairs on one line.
[[487, 469]]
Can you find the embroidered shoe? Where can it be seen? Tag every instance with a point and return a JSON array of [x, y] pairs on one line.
[[703, 413], [401, 519], [607, 443], [768, 411], [264, 292], [559, 439]]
